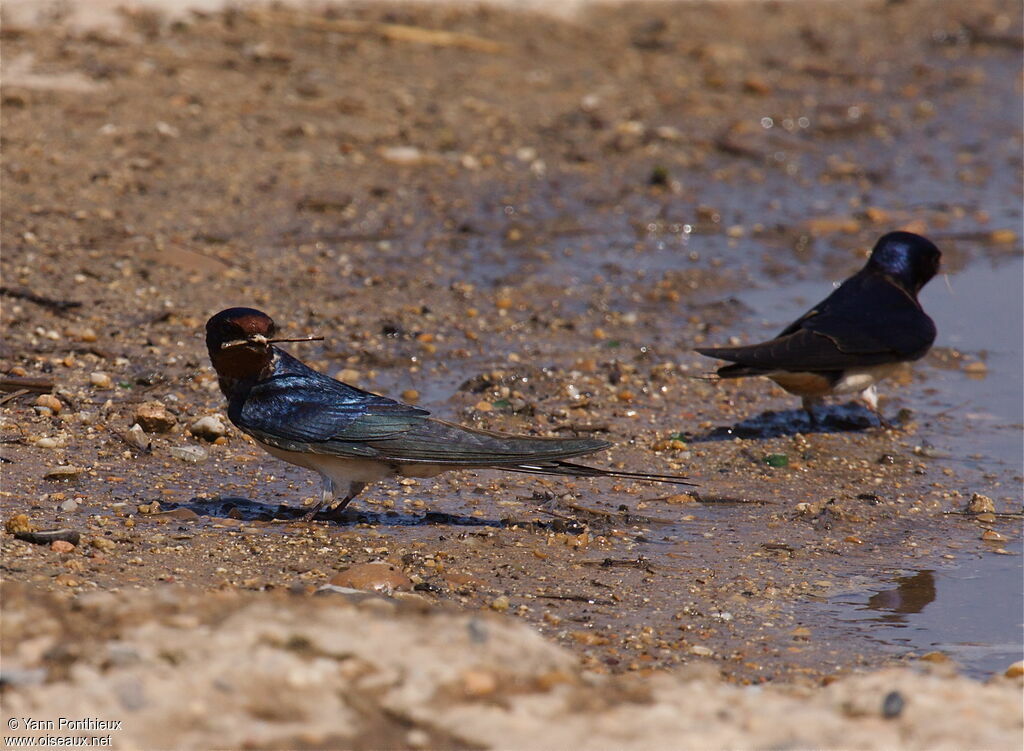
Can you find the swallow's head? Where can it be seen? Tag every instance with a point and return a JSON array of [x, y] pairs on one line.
[[909, 259], [238, 340]]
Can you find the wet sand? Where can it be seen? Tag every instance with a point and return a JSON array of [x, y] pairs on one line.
[[527, 228]]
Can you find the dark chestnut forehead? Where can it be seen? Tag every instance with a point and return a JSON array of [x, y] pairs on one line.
[[241, 321], [254, 323]]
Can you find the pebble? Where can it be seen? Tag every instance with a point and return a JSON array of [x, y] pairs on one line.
[[500, 604], [776, 460], [209, 428], [19, 523], [101, 380], [50, 402], [479, 682], [153, 417], [1016, 670], [178, 514], [402, 155], [63, 473], [701, 651], [977, 369], [589, 638], [69, 506], [892, 705], [102, 543], [138, 438], [191, 454], [61, 546], [373, 577], [980, 504]]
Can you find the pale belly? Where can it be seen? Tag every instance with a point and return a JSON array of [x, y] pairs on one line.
[[853, 381], [345, 471]]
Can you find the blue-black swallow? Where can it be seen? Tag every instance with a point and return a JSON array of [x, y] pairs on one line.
[[352, 437], [856, 336]]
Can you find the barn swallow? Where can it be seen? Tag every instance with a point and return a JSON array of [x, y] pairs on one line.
[[353, 437], [856, 336]]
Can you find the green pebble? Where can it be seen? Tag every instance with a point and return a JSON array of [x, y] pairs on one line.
[[777, 460]]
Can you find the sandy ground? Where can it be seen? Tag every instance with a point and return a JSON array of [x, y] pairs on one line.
[[525, 223]]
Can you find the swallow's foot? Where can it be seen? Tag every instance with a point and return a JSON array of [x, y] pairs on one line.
[[312, 513], [336, 514]]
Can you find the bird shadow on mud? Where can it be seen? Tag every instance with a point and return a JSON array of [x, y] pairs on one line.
[[838, 418], [246, 509]]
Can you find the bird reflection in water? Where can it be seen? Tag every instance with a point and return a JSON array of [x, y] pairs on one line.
[[911, 595]]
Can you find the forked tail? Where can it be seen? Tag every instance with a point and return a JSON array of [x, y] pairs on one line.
[[582, 470]]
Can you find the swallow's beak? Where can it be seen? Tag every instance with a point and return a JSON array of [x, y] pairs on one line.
[[251, 339], [299, 339]]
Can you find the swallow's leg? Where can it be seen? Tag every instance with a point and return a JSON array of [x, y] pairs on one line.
[[335, 514], [808, 404], [870, 397], [326, 496]]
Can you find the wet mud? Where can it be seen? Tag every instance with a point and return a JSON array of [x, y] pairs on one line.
[[529, 234]]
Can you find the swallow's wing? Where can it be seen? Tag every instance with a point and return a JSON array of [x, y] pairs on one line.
[[866, 321], [294, 411], [440, 442], [299, 409]]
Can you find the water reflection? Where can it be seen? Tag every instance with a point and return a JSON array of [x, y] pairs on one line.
[[912, 594]]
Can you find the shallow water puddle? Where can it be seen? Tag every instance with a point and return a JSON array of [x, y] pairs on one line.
[[972, 611]]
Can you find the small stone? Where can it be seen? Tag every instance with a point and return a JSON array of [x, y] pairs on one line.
[[347, 375], [153, 417], [892, 705], [483, 406], [405, 156], [149, 508], [589, 638], [479, 682], [500, 603], [190, 454], [980, 504], [101, 380], [179, 514], [19, 523], [209, 428], [990, 535], [50, 402], [63, 473], [69, 506], [680, 498], [1016, 670], [47, 443], [801, 633], [61, 546], [976, 369], [138, 438], [701, 651], [102, 543], [777, 460], [373, 577], [411, 395]]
